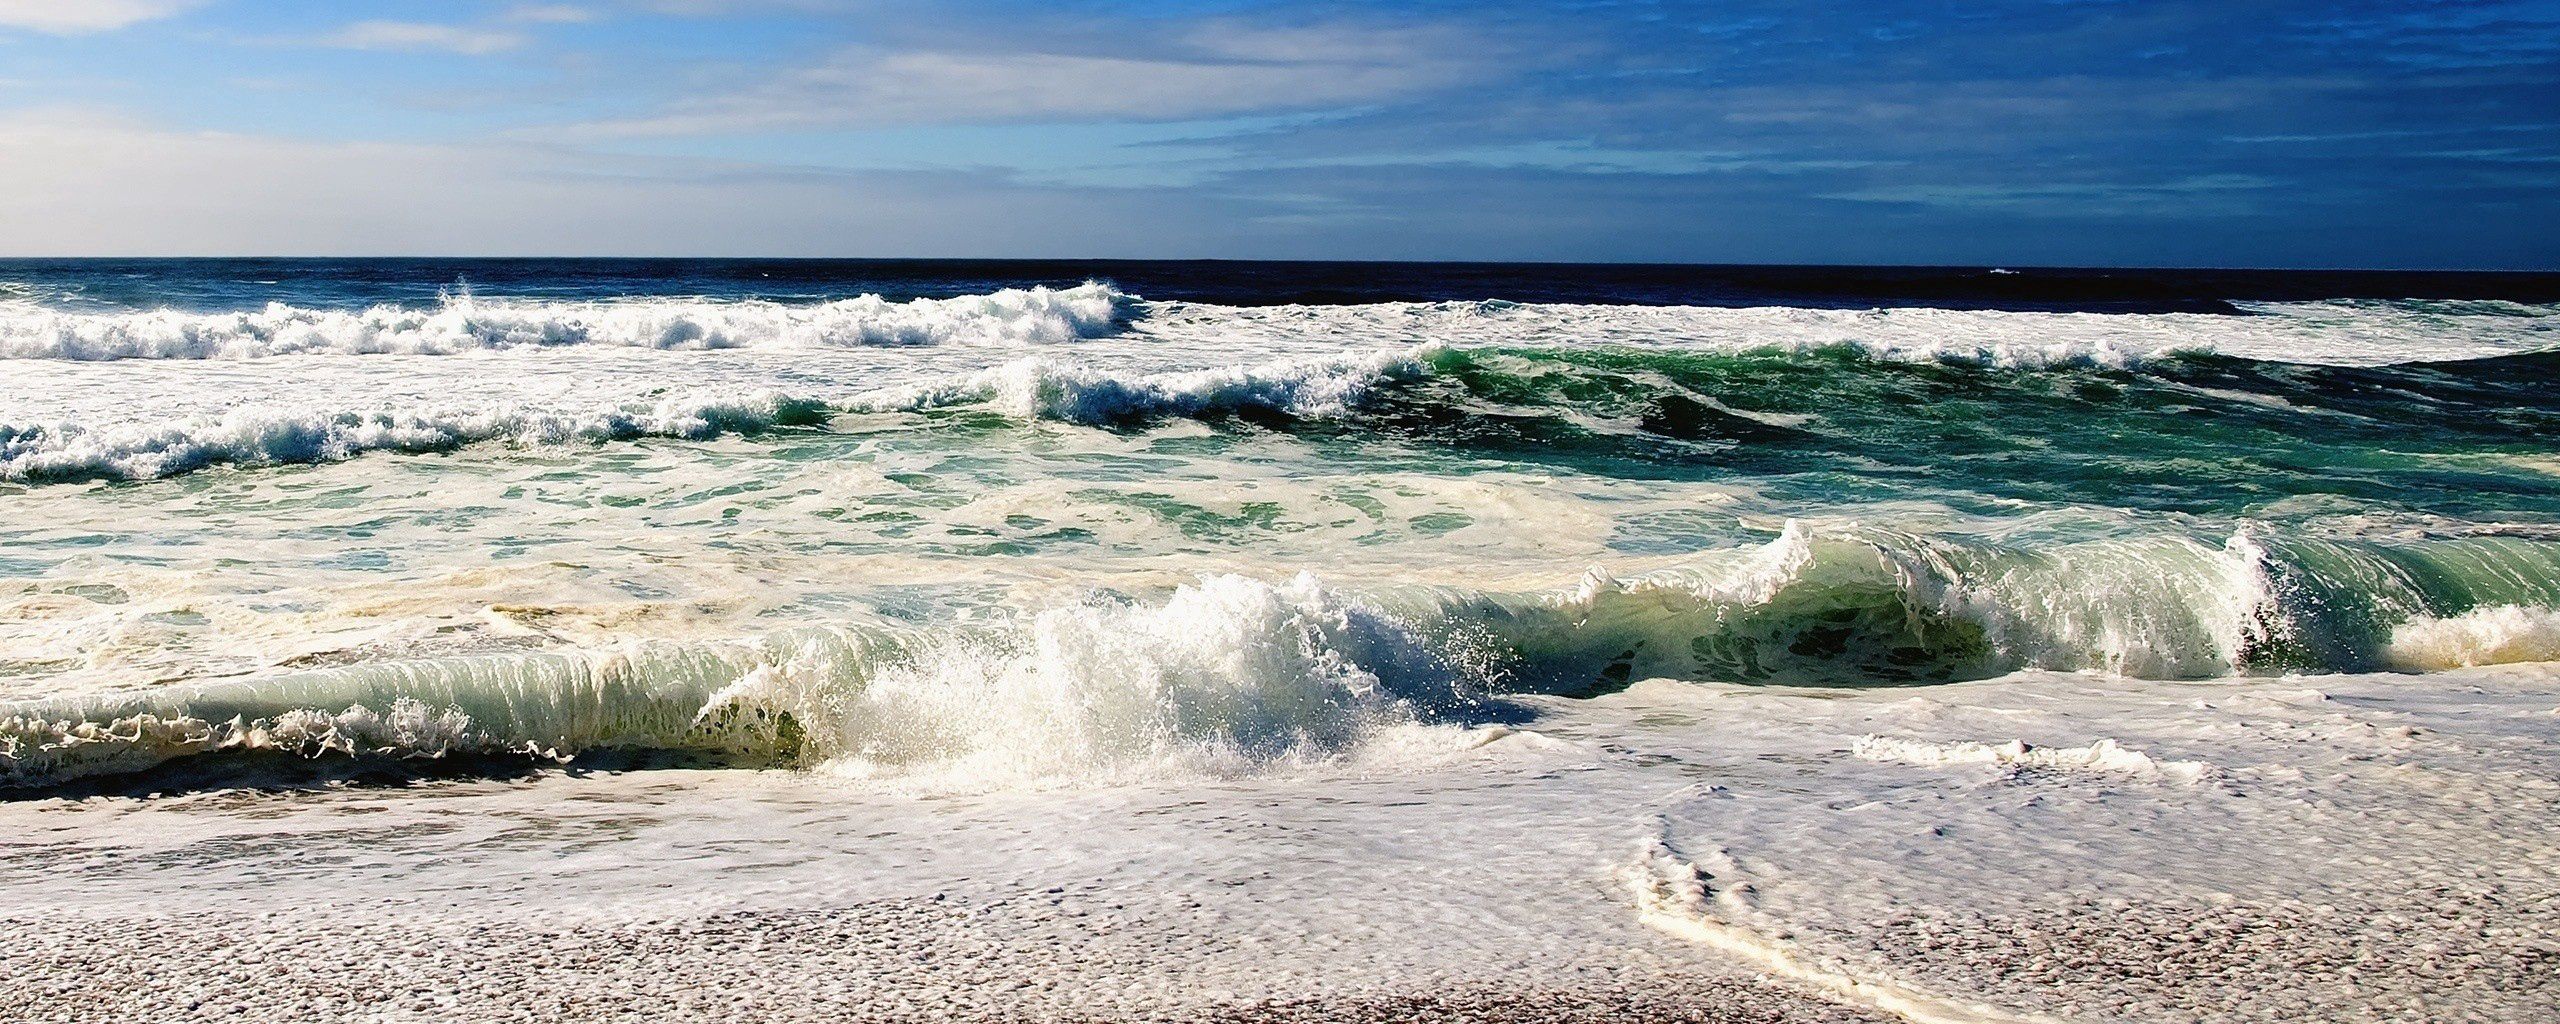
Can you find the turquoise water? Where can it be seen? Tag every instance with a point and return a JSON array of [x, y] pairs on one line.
[[816, 527]]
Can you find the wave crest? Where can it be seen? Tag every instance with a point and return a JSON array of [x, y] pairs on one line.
[[1014, 316], [1230, 676], [2497, 635], [259, 436], [1076, 393]]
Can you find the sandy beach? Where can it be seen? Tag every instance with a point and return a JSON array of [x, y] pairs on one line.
[[874, 963]]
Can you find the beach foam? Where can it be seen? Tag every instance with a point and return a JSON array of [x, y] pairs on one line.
[[2106, 757]]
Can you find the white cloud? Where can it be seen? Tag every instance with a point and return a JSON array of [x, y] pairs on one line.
[[90, 182], [548, 14], [1214, 70], [417, 35], [66, 17], [718, 7], [2202, 194]]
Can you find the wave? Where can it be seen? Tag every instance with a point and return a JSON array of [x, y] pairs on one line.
[[36, 325], [2339, 333], [2493, 635], [259, 436], [1624, 404], [1608, 403], [1231, 676], [1070, 392], [1227, 676], [461, 323]]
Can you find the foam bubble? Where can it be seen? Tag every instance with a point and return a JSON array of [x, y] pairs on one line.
[[2104, 756]]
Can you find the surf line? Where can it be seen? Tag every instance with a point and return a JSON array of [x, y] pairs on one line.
[[1671, 896]]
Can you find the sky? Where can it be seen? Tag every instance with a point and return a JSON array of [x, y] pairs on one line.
[[2422, 133]]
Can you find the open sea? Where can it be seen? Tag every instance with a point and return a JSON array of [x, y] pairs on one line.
[[1882, 629]]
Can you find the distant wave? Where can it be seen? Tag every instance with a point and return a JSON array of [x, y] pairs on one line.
[[256, 436], [1077, 393], [1434, 392], [461, 323], [1231, 675], [1326, 387], [1678, 391], [2340, 332], [2334, 333], [1316, 389]]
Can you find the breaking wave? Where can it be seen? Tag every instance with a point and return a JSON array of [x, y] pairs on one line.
[[1227, 676], [34, 325], [461, 323], [2342, 332], [1075, 393], [2493, 635], [1613, 402], [257, 436], [1232, 676], [1640, 383]]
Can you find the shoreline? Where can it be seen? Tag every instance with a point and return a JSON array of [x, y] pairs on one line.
[[2044, 847], [865, 964]]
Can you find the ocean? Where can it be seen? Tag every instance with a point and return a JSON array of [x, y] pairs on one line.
[[1948, 644]]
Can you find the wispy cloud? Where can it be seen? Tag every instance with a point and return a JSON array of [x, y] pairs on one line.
[[69, 17], [1220, 69], [549, 14], [90, 180], [2204, 193], [426, 36], [2274, 131]]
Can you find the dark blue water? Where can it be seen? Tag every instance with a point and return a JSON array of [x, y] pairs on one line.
[[220, 284]]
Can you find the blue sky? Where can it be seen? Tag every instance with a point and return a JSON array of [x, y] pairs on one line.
[[2232, 133]]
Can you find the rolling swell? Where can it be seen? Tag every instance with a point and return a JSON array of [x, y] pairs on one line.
[[2182, 432], [1644, 385], [2074, 419], [1233, 676]]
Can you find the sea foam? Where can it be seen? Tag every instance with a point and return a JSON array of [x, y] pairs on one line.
[[2497, 635], [261, 436], [2105, 756], [1226, 676], [461, 323], [1230, 675], [1079, 393]]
